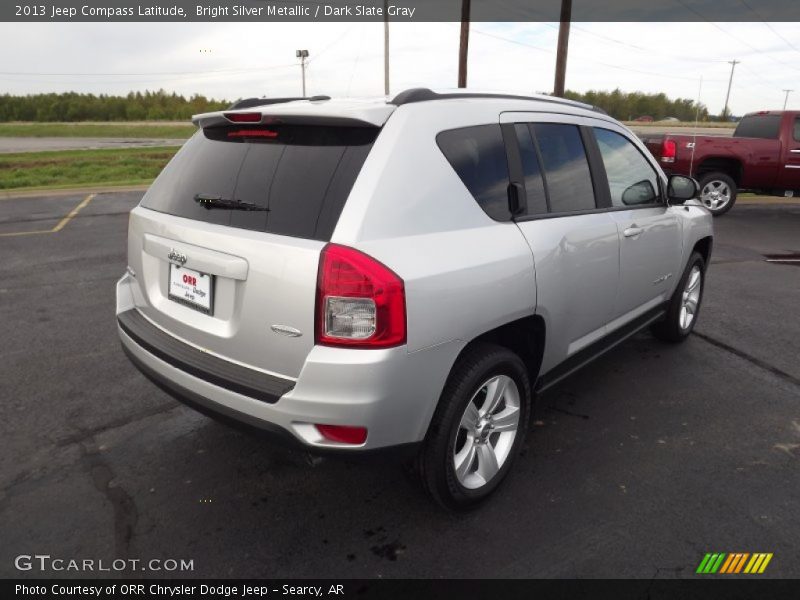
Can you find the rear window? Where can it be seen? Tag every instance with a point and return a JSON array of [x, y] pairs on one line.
[[759, 126], [298, 177], [478, 155]]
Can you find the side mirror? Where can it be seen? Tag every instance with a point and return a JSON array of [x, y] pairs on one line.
[[681, 188]]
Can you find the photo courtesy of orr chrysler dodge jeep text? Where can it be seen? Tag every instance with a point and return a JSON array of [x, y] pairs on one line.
[[404, 273]]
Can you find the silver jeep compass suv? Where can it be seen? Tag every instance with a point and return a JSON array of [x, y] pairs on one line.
[[356, 275]]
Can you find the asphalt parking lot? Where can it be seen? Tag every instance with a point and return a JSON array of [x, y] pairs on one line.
[[635, 467]]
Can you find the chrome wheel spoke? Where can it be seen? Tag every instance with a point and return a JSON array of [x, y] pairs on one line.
[[694, 281], [487, 462], [495, 391], [508, 420], [470, 419], [465, 458]]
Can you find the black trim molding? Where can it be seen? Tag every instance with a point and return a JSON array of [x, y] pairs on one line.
[[219, 372], [588, 354]]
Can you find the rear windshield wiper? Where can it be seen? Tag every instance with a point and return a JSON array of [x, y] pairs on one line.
[[209, 202]]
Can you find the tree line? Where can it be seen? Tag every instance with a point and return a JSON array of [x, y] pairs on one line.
[[160, 105], [627, 106], [136, 106]]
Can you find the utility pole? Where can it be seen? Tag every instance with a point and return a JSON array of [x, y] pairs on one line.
[[786, 100], [733, 64], [563, 44], [463, 45], [386, 47], [302, 55]]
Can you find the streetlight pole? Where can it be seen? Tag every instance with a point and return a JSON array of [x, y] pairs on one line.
[[733, 64], [302, 55], [786, 100]]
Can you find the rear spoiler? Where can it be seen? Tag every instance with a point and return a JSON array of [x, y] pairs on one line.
[[220, 120], [316, 110], [251, 102]]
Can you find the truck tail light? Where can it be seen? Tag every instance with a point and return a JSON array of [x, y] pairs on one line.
[[360, 302], [668, 151]]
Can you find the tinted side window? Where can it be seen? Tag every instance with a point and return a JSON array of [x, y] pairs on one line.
[[569, 182], [478, 155], [797, 129], [534, 184], [631, 179], [759, 126]]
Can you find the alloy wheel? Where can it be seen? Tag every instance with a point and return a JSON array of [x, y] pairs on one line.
[[486, 432], [691, 297], [716, 195]]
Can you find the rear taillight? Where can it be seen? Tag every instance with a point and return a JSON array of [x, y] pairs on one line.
[[248, 117], [245, 133], [668, 151], [343, 434], [360, 302]]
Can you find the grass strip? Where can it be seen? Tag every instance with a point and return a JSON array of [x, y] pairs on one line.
[[75, 168], [99, 130]]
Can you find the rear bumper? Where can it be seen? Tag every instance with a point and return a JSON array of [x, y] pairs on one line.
[[391, 392], [248, 382]]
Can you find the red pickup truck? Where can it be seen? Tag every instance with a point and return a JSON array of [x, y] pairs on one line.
[[762, 156]]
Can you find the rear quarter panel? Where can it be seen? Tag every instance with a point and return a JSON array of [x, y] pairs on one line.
[[464, 273]]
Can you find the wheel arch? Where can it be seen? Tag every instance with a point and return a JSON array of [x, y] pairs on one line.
[[720, 164], [704, 246], [525, 337]]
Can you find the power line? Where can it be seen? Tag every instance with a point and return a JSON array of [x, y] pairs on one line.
[[770, 27], [611, 40], [738, 39], [329, 46], [597, 62], [760, 77]]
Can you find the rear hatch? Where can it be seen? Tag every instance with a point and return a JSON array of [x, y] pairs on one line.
[[225, 244]]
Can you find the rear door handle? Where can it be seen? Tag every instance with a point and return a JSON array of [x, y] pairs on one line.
[[632, 231]]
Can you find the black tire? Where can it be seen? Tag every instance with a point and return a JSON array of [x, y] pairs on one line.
[[708, 179], [671, 329], [435, 463]]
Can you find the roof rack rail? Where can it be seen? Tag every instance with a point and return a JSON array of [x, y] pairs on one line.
[[251, 102], [425, 94]]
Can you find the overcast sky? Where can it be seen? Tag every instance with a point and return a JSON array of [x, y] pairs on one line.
[[232, 60]]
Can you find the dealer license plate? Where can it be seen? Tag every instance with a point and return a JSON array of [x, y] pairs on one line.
[[191, 288]]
